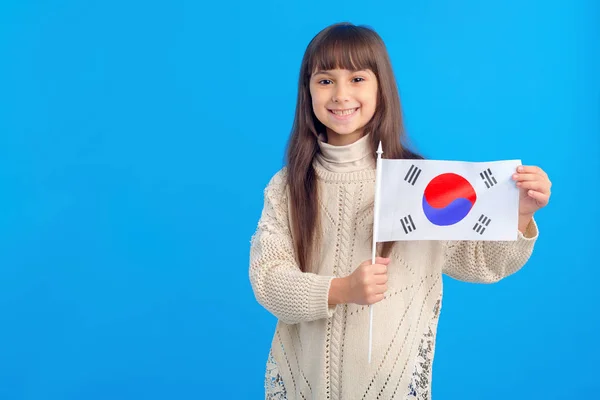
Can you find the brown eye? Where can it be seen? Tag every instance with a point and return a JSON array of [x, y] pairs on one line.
[[325, 82], [358, 79]]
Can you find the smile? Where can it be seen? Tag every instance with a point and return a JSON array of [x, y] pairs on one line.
[[344, 113]]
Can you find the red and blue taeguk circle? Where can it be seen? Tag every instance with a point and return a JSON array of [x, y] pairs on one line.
[[448, 198]]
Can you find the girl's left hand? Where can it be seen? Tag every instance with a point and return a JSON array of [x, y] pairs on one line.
[[534, 190]]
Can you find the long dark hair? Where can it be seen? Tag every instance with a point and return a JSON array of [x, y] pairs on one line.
[[343, 46]]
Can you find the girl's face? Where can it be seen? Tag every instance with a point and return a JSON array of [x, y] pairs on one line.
[[344, 101]]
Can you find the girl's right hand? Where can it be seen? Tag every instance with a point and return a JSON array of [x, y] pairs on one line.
[[367, 284]]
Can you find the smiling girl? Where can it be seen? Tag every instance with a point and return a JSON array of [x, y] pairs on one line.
[[310, 259]]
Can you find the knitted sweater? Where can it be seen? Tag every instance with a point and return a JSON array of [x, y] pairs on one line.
[[320, 350]]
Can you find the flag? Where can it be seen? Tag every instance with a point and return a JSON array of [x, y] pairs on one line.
[[446, 200]]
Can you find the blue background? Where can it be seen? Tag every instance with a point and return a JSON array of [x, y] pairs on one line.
[[136, 139]]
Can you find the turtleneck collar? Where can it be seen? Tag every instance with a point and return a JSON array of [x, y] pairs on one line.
[[348, 158]]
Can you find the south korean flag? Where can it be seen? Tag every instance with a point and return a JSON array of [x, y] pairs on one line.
[[446, 200]]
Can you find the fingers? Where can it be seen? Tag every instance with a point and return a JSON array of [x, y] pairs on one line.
[[379, 269], [542, 198], [381, 289], [380, 279], [382, 260], [377, 294], [378, 260], [529, 169], [532, 178], [526, 177], [373, 270], [539, 186], [370, 281], [376, 298]]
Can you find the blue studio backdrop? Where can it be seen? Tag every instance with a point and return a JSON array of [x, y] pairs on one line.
[[136, 139]]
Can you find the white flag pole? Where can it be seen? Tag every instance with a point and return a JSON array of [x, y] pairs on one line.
[[375, 227]]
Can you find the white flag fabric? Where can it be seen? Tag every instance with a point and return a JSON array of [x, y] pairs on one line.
[[447, 200]]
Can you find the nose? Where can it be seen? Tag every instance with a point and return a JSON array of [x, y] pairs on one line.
[[340, 94]]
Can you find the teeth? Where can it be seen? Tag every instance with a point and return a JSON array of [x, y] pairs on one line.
[[344, 112]]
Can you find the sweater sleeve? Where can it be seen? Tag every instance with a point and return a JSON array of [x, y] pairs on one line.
[[278, 283], [488, 261]]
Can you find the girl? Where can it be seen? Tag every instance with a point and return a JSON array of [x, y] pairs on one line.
[[306, 258]]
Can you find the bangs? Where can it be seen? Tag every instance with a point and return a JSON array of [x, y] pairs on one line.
[[344, 47]]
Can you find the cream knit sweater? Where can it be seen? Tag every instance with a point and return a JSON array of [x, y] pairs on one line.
[[321, 351]]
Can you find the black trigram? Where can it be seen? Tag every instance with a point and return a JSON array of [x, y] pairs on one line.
[[407, 224], [488, 178], [412, 175], [481, 224]]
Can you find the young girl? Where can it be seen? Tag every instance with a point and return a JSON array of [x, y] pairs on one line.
[[310, 259]]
